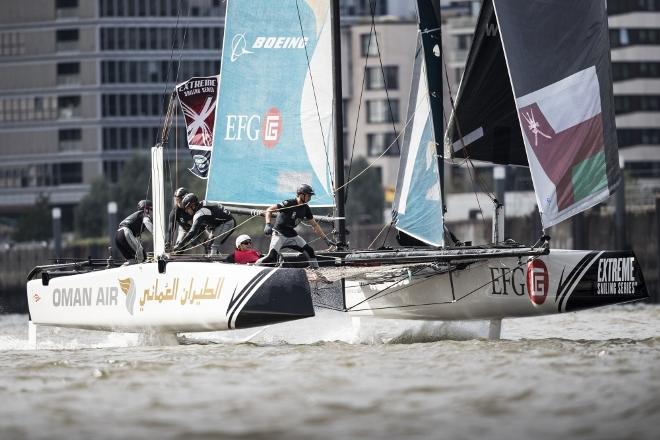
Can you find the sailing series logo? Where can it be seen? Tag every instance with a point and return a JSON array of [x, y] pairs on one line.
[[616, 276]]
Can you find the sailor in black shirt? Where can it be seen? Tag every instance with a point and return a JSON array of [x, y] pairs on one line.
[[179, 221], [289, 214], [212, 218], [130, 229]]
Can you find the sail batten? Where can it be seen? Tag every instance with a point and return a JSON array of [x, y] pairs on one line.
[[274, 117]]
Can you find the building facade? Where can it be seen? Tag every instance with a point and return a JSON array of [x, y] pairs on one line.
[[84, 85]]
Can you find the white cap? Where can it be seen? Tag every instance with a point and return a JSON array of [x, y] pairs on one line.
[[241, 238]]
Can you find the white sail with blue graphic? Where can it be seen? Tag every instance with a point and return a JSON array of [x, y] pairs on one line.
[[273, 128], [418, 202]]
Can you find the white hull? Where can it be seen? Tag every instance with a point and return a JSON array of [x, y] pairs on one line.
[[188, 296], [496, 288]]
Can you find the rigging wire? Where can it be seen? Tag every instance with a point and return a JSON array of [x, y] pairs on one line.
[[316, 103], [476, 180]]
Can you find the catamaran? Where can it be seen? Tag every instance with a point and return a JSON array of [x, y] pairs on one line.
[[537, 96]]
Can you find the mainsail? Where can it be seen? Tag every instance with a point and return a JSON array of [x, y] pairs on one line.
[[273, 128], [537, 91], [197, 97]]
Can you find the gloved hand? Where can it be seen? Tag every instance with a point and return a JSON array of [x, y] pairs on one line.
[[330, 242], [268, 229]]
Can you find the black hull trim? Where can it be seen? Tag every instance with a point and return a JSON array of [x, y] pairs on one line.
[[284, 296], [614, 277]]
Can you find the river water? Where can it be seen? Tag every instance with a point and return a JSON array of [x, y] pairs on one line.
[[588, 375]]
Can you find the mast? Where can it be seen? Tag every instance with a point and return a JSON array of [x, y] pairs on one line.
[[338, 125], [430, 31]]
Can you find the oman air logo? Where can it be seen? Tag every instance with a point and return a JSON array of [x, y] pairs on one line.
[[127, 286], [238, 47], [537, 281], [36, 297]]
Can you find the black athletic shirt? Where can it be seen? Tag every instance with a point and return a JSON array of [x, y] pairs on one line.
[[179, 217], [209, 216], [290, 215], [135, 222]]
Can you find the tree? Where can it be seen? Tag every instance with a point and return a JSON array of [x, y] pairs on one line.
[[90, 216], [36, 223], [366, 199], [133, 185]]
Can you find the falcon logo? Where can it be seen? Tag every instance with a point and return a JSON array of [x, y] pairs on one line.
[[127, 286], [537, 281]]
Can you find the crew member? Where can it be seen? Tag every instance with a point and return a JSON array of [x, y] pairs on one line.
[[179, 221], [130, 229], [211, 217], [244, 252], [289, 213]]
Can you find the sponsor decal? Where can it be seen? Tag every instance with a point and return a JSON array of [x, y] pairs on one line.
[[171, 290], [127, 286], [507, 281], [616, 276], [238, 47], [191, 294], [272, 127], [85, 296], [36, 297], [198, 97], [538, 281], [239, 44], [251, 127]]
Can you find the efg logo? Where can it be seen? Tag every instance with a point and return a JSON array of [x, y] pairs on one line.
[[538, 281], [255, 127], [272, 127]]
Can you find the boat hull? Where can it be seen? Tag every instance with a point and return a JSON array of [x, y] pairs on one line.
[[495, 288], [185, 297]]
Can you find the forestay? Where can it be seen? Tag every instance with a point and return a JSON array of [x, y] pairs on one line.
[[274, 119], [537, 91]]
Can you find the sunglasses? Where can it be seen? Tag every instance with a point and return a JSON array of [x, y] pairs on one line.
[[247, 242]]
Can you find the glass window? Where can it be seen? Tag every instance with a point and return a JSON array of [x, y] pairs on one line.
[[377, 143], [70, 173], [66, 35], [68, 68], [59, 4], [378, 110], [376, 80], [368, 45]]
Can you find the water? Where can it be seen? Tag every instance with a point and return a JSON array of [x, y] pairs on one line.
[[589, 375]]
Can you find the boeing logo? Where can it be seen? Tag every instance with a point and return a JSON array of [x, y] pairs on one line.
[[239, 44]]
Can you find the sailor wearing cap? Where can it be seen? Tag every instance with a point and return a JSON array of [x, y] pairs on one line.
[[244, 252]]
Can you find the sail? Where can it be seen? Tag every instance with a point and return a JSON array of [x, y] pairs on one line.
[[417, 207], [197, 97], [273, 128], [556, 58]]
